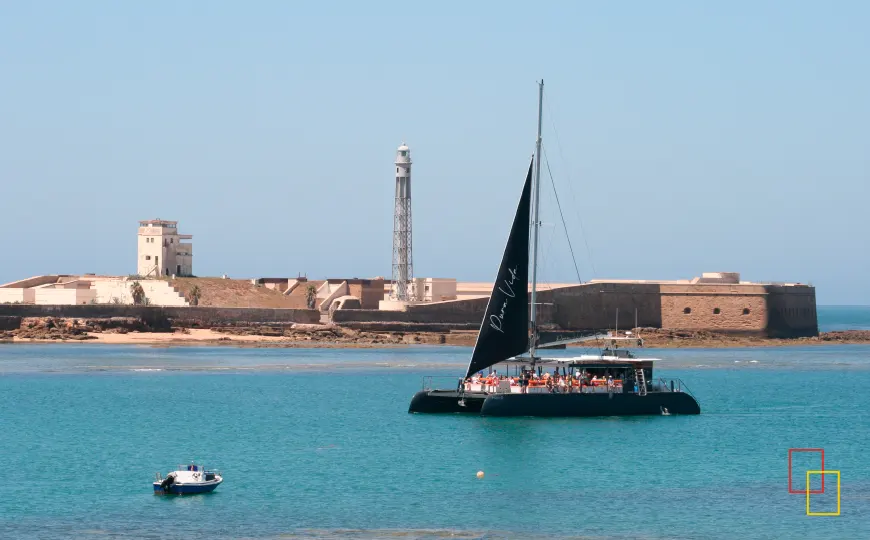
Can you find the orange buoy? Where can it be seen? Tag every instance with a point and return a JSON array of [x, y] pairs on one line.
[[480, 474]]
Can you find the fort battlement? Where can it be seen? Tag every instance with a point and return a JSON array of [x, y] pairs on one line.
[[719, 303]]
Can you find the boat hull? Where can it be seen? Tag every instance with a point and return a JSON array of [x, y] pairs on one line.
[[591, 404], [446, 401], [186, 489]]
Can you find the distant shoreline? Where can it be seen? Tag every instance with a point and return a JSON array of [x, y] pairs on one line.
[[343, 339]]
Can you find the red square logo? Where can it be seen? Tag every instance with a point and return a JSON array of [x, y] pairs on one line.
[[822, 468]]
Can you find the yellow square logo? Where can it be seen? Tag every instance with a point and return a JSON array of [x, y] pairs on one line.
[[810, 512]]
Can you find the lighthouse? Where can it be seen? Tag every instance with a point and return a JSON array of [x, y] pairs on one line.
[[403, 266]]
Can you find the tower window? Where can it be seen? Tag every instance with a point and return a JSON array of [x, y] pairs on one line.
[[147, 257], [687, 310], [397, 169], [746, 311], [716, 311], [404, 153]]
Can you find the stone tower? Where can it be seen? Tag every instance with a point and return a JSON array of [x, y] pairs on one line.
[[403, 266], [161, 252]]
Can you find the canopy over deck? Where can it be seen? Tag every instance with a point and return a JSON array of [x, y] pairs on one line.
[[585, 361]]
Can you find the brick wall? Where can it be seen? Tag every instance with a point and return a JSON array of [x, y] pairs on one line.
[[738, 309], [369, 292]]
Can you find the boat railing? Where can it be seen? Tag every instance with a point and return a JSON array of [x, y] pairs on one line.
[[455, 382], [675, 384]]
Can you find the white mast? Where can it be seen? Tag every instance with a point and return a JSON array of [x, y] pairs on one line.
[[535, 224]]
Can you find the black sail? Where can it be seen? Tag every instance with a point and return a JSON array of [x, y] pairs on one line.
[[504, 332]]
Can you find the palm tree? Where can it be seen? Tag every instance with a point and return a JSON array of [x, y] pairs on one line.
[[193, 295], [311, 296], [138, 293]]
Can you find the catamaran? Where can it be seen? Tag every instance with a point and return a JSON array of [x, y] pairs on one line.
[[611, 383]]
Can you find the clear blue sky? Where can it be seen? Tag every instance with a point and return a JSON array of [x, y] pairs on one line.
[[692, 136]]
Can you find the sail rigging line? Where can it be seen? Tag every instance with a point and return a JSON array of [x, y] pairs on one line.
[[544, 266], [570, 188], [574, 199], [561, 215], [565, 226]]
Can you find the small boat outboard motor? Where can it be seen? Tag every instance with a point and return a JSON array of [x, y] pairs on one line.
[[168, 481]]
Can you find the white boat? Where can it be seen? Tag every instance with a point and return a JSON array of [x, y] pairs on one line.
[[187, 480]]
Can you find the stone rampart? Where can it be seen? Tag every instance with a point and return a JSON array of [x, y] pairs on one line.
[[406, 327], [720, 308], [595, 306], [9, 322], [745, 309], [157, 316], [791, 311]]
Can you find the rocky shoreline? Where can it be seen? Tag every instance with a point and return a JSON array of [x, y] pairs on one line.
[[119, 330], [675, 339], [123, 330]]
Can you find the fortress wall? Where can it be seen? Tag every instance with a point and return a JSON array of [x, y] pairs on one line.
[[369, 294], [580, 307], [347, 316], [741, 308], [452, 312], [9, 322], [594, 306], [156, 316], [466, 312], [792, 311]]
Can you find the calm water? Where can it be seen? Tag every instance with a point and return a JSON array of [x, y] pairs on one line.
[[318, 443], [843, 318]]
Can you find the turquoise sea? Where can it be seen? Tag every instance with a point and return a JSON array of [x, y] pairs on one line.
[[318, 444], [843, 318]]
